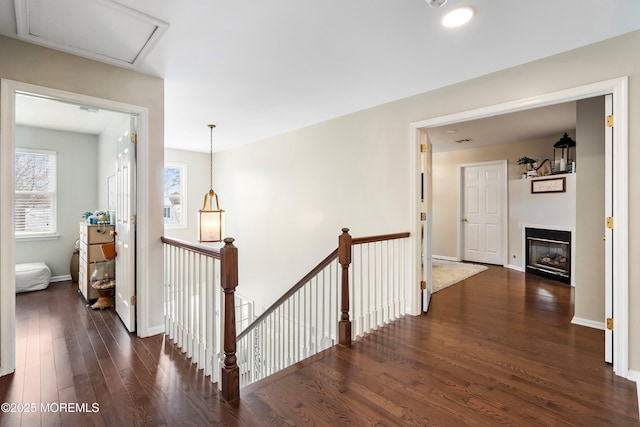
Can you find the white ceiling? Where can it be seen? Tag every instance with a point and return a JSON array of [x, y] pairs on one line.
[[257, 69], [529, 125], [51, 114]]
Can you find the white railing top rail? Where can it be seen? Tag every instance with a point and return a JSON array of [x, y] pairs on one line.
[[193, 247]]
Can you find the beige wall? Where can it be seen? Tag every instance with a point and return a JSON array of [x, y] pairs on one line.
[[40, 66], [197, 183], [77, 185], [548, 210], [288, 196], [445, 183], [590, 201]]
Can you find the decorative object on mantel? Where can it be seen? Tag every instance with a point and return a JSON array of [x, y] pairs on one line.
[[549, 185], [527, 161], [533, 169], [544, 169], [529, 166], [564, 155], [210, 218]]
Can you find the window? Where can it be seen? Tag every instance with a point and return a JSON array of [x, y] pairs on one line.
[[35, 192], [174, 196]]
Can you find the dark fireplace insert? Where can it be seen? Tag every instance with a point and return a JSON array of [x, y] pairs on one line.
[[548, 253]]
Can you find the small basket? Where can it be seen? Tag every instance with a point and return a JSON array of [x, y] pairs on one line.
[[109, 250]]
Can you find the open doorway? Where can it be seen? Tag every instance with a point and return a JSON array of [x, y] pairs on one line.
[[13, 127], [618, 175]]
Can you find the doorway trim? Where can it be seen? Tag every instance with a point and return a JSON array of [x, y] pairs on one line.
[[619, 88], [504, 204], [8, 90]]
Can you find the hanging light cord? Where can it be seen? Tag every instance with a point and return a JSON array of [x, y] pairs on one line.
[[211, 155]]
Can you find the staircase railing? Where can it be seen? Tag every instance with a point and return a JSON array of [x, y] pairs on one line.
[[192, 274], [315, 313]]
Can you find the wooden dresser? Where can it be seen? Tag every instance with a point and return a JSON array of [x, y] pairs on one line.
[[91, 238]]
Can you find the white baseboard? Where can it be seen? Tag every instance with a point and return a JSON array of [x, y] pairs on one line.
[[60, 278], [445, 258], [588, 323], [514, 267]]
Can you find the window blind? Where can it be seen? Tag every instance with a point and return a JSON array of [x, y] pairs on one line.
[[35, 192]]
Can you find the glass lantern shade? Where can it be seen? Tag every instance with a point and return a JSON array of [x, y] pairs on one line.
[[564, 154], [210, 219]]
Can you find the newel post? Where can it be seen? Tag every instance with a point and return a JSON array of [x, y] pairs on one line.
[[344, 258], [229, 377]]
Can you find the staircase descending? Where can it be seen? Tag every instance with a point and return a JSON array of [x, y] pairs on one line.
[[358, 287]]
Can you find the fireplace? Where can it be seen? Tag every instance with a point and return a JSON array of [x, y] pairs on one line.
[[548, 253]]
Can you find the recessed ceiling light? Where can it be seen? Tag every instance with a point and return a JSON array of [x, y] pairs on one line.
[[458, 17], [436, 3]]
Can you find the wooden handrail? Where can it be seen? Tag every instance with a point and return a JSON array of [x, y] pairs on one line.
[[325, 262], [228, 256], [379, 238], [200, 249], [333, 255]]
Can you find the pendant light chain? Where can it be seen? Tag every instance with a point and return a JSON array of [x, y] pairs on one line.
[[211, 155]]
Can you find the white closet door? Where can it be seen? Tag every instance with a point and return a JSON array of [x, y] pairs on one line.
[[126, 226]]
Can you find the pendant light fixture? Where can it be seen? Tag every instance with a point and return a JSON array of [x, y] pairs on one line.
[[210, 216]]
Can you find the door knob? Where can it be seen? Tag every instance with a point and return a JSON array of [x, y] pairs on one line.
[[465, 220]]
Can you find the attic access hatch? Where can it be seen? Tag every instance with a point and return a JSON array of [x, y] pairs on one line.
[[102, 30]]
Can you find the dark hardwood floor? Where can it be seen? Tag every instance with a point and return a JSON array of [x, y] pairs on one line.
[[497, 348]]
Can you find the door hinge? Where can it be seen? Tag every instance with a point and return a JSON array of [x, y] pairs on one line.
[[423, 285], [610, 120], [134, 300], [610, 222], [423, 148], [610, 323], [134, 138], [134, 219], [423, 216]]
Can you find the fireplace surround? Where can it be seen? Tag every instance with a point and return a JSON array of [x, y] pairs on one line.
[[548, 253]]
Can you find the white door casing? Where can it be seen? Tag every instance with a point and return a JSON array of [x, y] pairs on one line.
[[483, 188], [126, 226], [608, 232], [620, 189], [8, 90], [427, 208]]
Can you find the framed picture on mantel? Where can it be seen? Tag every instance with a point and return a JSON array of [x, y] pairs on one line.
[[549, 185]]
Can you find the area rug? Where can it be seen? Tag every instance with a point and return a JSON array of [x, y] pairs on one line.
[[447, 273]]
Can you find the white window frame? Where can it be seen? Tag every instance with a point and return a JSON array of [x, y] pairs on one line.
[[183, 194], [53, 231]]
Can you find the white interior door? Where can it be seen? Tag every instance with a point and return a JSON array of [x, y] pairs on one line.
[[483, 189], [427, 209], [608, 232], [126, 226]]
